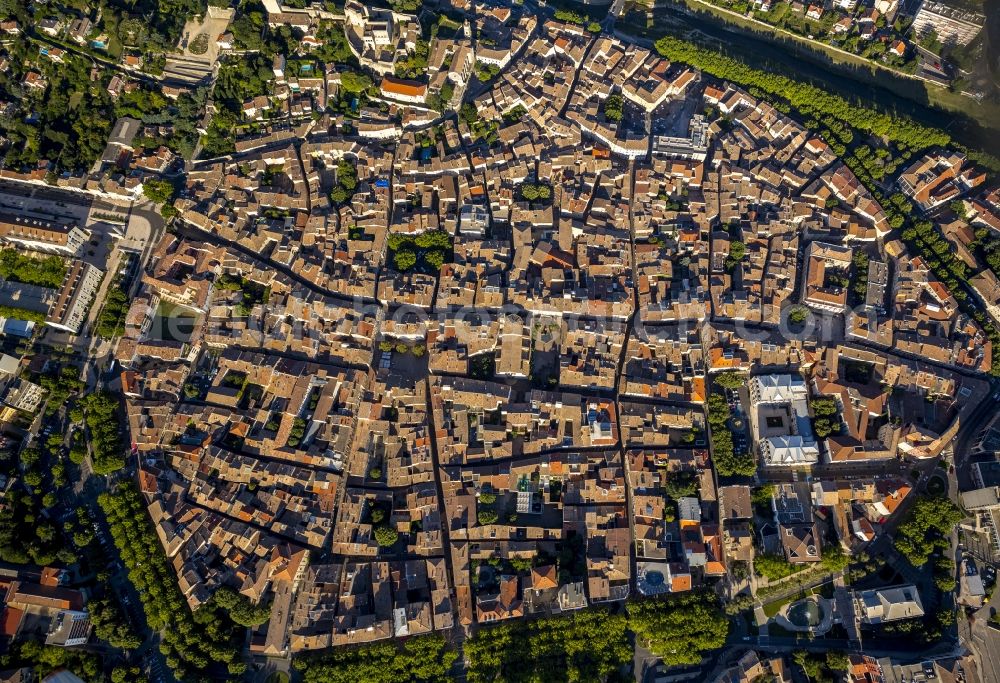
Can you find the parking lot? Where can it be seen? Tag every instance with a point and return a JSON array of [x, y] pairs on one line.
[[633, 118], [42, 205], [55, 204], [739, 423], [61, 206], [674, 116]]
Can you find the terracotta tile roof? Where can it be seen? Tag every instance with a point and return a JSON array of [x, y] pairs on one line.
[[544, 577], [399, 86]]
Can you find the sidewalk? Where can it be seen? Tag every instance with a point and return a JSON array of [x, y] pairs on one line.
[[761, 620]]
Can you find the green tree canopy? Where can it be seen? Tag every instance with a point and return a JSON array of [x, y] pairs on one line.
[[487, 516], [588, 645], [355, 82], [44, 272], [158, 191], [809, 100], [423, 659], [774, 567], [191, 641], [798, 315], [681, 629], [614, 108], [386, 536], [927, 529], [103, 430], [404, 260], [730, 380], [241, 609]]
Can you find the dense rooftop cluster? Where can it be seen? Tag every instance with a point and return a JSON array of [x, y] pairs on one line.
[[494, 316], [524, 414]]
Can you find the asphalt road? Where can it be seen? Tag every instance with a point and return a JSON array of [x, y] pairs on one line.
[[968, 435], [144, 227]]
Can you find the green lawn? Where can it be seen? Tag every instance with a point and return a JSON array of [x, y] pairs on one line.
[[824, 590], [771, 609], [173, 322]]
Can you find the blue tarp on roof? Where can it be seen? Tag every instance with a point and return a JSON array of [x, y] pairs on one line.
[[18, 328]]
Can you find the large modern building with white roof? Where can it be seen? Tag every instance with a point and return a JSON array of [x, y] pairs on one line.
[[779, 416], [883, 605]]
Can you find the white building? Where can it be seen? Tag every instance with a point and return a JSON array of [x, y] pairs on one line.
[[695, 146], [768, 389], [24, 396], [40, 235], [950, 24], [971, 591], [984, 503], [70, 628], [880, 606], [473, 220], [69, 311], [403, 90], [779, 416], [377, 36], [789, 451], [887, 8]]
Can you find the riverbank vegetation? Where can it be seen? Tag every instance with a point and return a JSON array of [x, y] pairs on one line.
[[892, 140], [807, 99]]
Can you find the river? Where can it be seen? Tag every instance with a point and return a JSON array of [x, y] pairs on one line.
[[896, 94]]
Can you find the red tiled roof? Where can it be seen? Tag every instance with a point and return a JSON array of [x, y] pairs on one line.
[[11, 621], [398, 86]]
